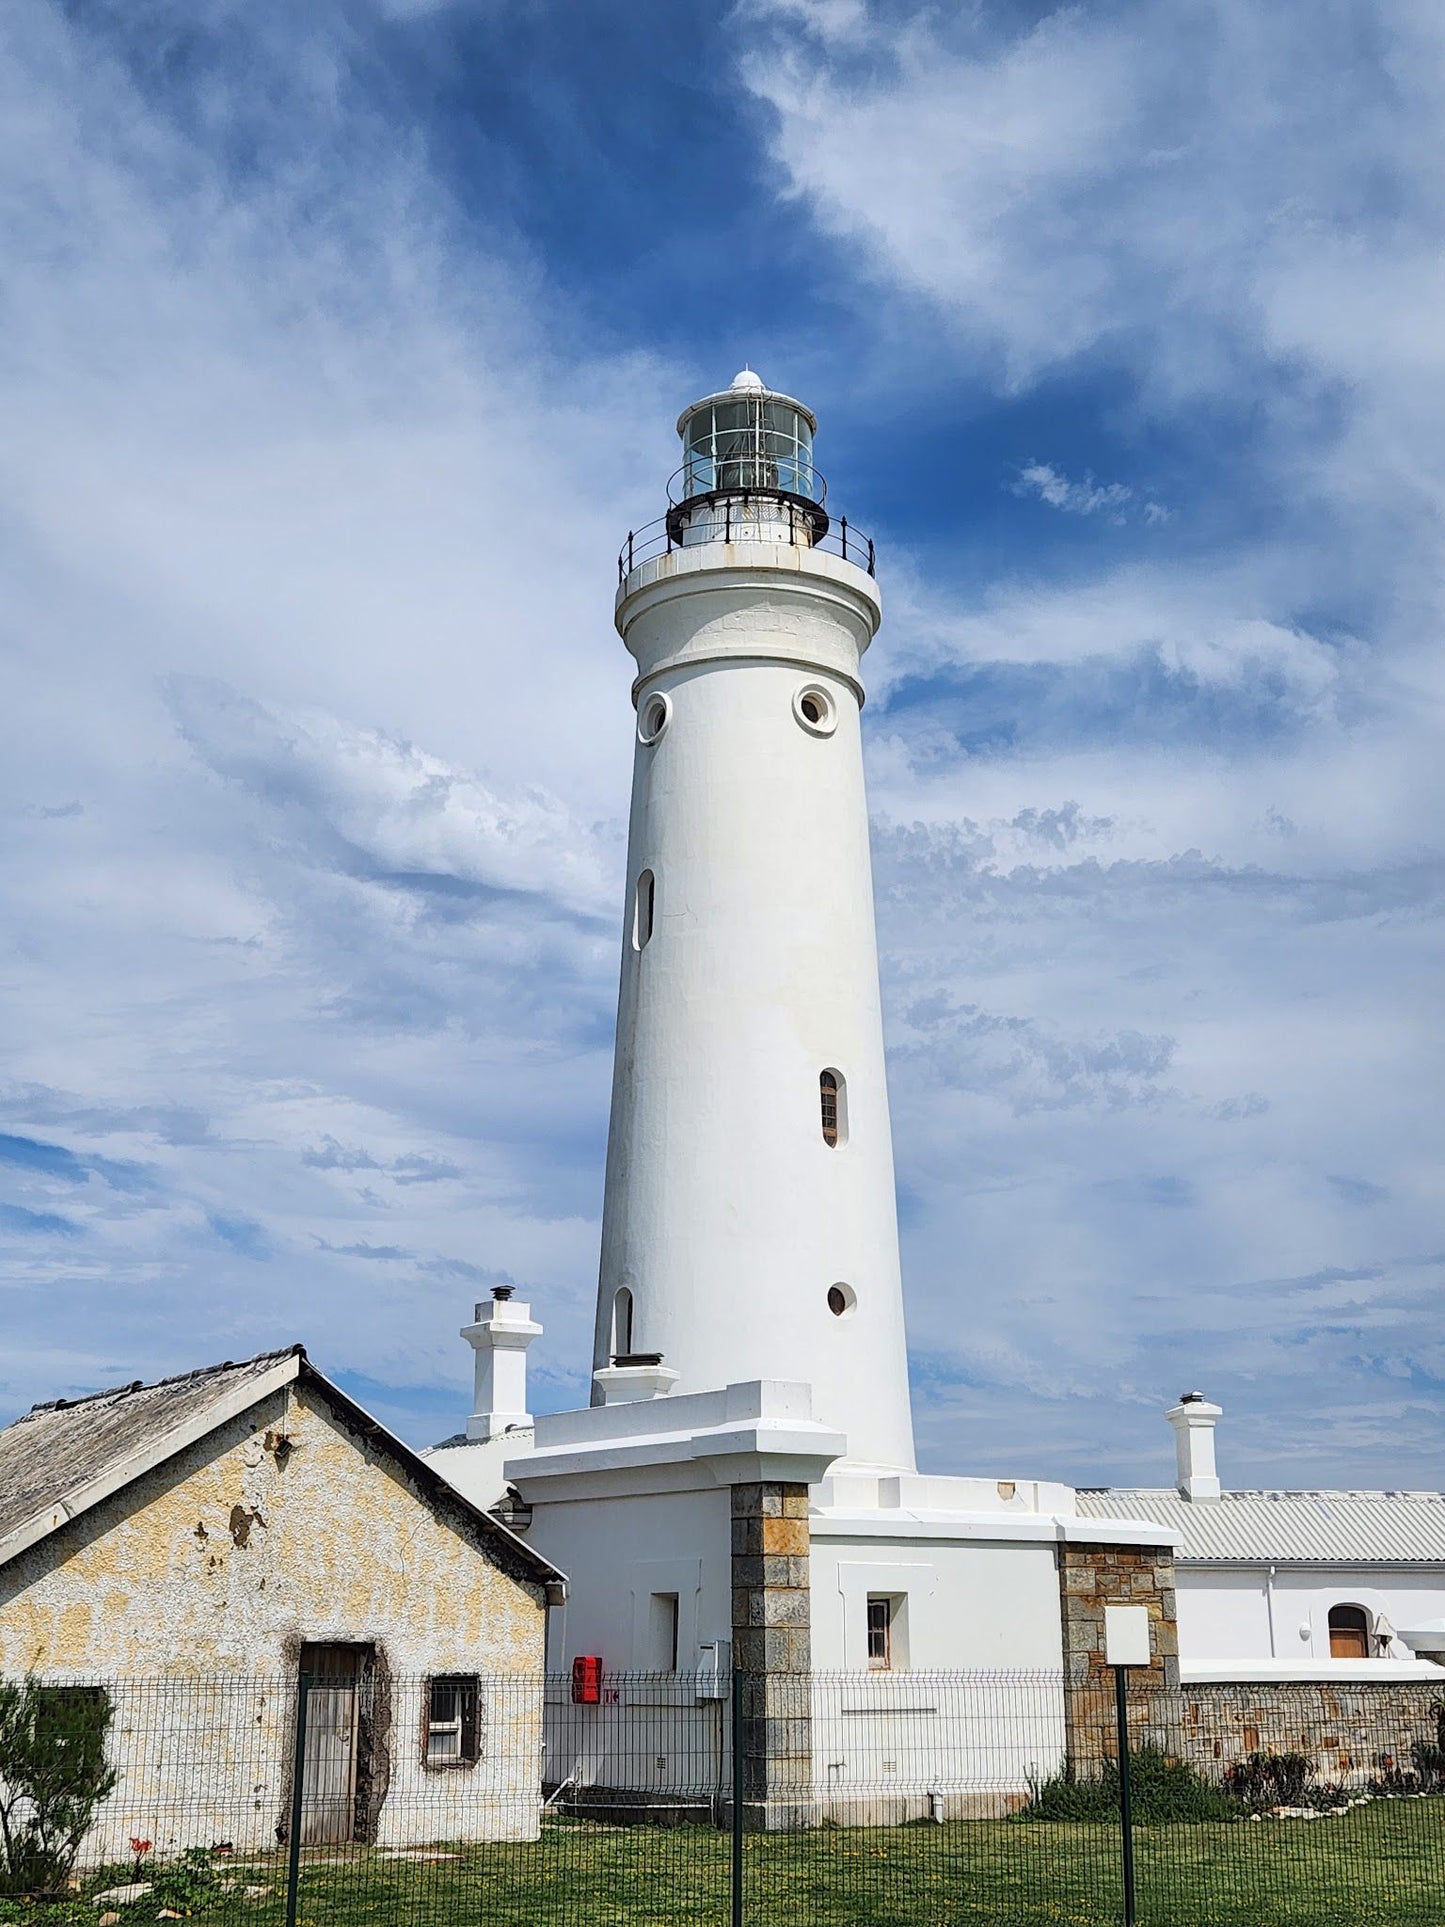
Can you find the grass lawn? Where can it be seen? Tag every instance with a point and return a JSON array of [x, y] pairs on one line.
[[1381, 1865], [1377, 1866]]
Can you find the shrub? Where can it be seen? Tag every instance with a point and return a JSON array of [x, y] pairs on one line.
[[1264, 1780], [1429, 1766], [53, 1776], [1161, 1790]]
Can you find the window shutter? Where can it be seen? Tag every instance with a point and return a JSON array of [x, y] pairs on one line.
[[468, 1695]]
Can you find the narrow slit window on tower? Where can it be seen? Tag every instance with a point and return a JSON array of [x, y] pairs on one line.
[[833, 1107], [643, 911], [828, 1096], [622, 1324]]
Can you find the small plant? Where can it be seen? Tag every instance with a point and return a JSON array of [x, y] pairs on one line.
[[53, 1776], [140, 1848], [1428, 1756], [187, 1884]]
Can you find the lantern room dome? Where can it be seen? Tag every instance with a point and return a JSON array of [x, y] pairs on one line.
[[748, 437]]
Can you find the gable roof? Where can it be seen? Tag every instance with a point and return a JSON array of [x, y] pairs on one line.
[[1286, 1528], [64, 1457]]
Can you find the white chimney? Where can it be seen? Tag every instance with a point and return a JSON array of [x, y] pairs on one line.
[[1194, 1420], [503, 1330]]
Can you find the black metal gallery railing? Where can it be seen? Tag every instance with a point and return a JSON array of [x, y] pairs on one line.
[[896, 1799], [746, 515]]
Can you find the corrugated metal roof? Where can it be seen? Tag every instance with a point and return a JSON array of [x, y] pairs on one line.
[[1286, 1528]]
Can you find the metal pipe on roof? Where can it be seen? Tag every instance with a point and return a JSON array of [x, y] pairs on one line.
[[1269, 1608]]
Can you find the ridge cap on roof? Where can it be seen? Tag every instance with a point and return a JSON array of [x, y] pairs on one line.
[[1419, 1494], [158, 1384], [171, 1437]]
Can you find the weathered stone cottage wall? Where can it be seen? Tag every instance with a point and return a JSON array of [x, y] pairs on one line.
[[189, 1595]]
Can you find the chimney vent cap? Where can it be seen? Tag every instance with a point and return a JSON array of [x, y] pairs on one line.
[[1191, 1398], [503, 1292]]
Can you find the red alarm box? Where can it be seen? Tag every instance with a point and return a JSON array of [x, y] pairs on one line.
[[587, 1680]]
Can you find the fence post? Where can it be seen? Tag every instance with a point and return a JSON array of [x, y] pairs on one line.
[[1126, 1816], [298, 1783], [737, 1740]]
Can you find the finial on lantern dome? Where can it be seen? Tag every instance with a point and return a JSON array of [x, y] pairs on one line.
[[746, 382]]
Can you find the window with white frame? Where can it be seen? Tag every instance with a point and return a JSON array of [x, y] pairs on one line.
[[451, 1720]]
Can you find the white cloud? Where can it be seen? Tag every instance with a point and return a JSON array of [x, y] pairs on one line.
[[1158, 1061], [837, 23], [316, 735], [316, 732], [1087, 497]]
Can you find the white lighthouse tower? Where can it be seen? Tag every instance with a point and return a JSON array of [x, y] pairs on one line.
[[740, 1488], [749, 1224]]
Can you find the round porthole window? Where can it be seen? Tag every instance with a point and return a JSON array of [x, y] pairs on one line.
[[653, 717], [842, 1300], [815, 710]]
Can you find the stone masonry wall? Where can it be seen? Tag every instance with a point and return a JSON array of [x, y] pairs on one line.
[[1350, 1733], [190, 1592], [772, 1647], [1092, 1577]]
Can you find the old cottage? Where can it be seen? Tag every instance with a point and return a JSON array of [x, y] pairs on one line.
[[192, 1549]]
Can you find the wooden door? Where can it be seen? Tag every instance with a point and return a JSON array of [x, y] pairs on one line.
[[328, 1784], [1349, 1633]]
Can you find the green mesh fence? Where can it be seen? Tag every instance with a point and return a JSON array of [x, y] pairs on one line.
[[882, 1797]]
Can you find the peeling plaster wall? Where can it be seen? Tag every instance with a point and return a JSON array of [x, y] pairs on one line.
[[190, 1592]]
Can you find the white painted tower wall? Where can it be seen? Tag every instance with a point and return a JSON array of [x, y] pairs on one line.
[[727, 1217]]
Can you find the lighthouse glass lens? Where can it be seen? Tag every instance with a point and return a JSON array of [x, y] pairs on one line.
[[747, 444]]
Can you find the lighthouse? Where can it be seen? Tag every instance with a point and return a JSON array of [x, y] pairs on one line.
[[739, 1490], [749, 1220]]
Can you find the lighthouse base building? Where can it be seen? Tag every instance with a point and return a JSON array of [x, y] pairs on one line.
[[712, 1531], [740, 1494]]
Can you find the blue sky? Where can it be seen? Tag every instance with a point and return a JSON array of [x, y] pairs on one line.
[[342, 344]]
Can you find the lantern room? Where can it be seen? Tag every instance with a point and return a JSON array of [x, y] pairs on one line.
[[748, 438]]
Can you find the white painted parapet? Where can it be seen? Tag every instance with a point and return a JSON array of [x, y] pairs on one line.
[[737, 1435]]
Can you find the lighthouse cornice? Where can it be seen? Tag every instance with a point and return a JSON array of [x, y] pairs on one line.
[[772, 602], [741, 564]]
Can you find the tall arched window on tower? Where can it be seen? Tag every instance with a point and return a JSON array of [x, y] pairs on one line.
[[833, 1104], [643, 910], [1349, 1632], [622, 1324]]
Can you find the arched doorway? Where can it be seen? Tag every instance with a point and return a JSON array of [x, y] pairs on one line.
[[1349, 1632]]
